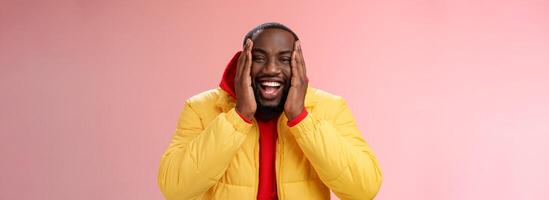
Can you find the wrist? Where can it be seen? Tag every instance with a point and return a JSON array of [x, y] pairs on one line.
[[247, 115], [298, 119], [293, 114]]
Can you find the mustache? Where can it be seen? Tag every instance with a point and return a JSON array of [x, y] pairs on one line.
[[259, 79]]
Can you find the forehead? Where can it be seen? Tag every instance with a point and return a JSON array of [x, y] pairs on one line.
[[273, 40]]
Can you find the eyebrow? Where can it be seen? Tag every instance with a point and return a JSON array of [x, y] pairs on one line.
[[285, 52], [258, 50]]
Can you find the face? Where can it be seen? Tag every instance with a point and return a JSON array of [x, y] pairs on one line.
[[271, 72]]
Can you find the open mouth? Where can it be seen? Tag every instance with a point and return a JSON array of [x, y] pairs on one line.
[[270, 90]]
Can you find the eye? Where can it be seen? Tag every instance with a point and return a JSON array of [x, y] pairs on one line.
[[258, 59], [285, 60]]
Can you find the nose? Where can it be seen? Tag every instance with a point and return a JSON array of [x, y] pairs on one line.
[[272, 68]]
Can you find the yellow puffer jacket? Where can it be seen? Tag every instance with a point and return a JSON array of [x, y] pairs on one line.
[[214, 154]]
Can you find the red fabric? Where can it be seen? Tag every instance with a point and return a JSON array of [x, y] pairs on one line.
[[267, 139], [267, 153], [298, 119], [227, 82]]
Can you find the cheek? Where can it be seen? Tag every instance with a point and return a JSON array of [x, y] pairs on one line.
[[254, 70], [287, 72]]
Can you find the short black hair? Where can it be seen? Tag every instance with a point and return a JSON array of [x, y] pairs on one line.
[[268, 25]]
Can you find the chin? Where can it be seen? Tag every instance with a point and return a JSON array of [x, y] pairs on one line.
[[273, 103], [270, 107]]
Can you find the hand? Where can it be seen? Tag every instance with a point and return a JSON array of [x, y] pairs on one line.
[[296, 96], [245, 100]]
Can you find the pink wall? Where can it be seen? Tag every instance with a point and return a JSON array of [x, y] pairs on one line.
[[452, 95]]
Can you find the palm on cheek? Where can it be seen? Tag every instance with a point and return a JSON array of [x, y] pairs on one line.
[[245, 104], [296, 95]]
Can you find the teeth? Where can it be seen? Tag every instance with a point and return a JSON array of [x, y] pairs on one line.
[[270, 83]]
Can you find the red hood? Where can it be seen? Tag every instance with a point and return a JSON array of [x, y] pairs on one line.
[[227, 82]]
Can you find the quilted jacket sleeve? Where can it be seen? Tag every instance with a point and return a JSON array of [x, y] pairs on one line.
[[339, 154], [198, 156]]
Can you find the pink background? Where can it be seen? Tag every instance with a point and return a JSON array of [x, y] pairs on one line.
[[452, 95]]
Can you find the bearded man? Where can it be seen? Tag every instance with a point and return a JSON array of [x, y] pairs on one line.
[[266, 134]]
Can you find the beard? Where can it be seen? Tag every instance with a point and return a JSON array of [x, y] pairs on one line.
[[266, 112]]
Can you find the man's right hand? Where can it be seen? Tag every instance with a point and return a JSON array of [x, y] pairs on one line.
[[245, 100]]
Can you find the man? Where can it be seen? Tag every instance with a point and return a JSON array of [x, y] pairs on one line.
[[264, 134]]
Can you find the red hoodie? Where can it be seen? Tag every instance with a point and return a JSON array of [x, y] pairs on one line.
[[267, 138]]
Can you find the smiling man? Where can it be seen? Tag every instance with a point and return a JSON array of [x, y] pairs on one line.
[[265, 134]]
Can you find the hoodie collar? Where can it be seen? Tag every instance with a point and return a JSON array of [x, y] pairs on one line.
[[227, 99], [227, 81]]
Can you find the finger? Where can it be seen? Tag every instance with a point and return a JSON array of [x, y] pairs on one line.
[[241, 60], [248, 63], [302, 60], [299, 61], [239, 64], [294, 65]]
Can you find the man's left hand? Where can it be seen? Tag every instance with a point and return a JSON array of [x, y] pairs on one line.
[[296, 96]]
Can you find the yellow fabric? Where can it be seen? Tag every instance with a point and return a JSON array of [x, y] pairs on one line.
[[214, 154]]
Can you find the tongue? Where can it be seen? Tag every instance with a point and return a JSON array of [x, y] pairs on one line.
[[270, 90]]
